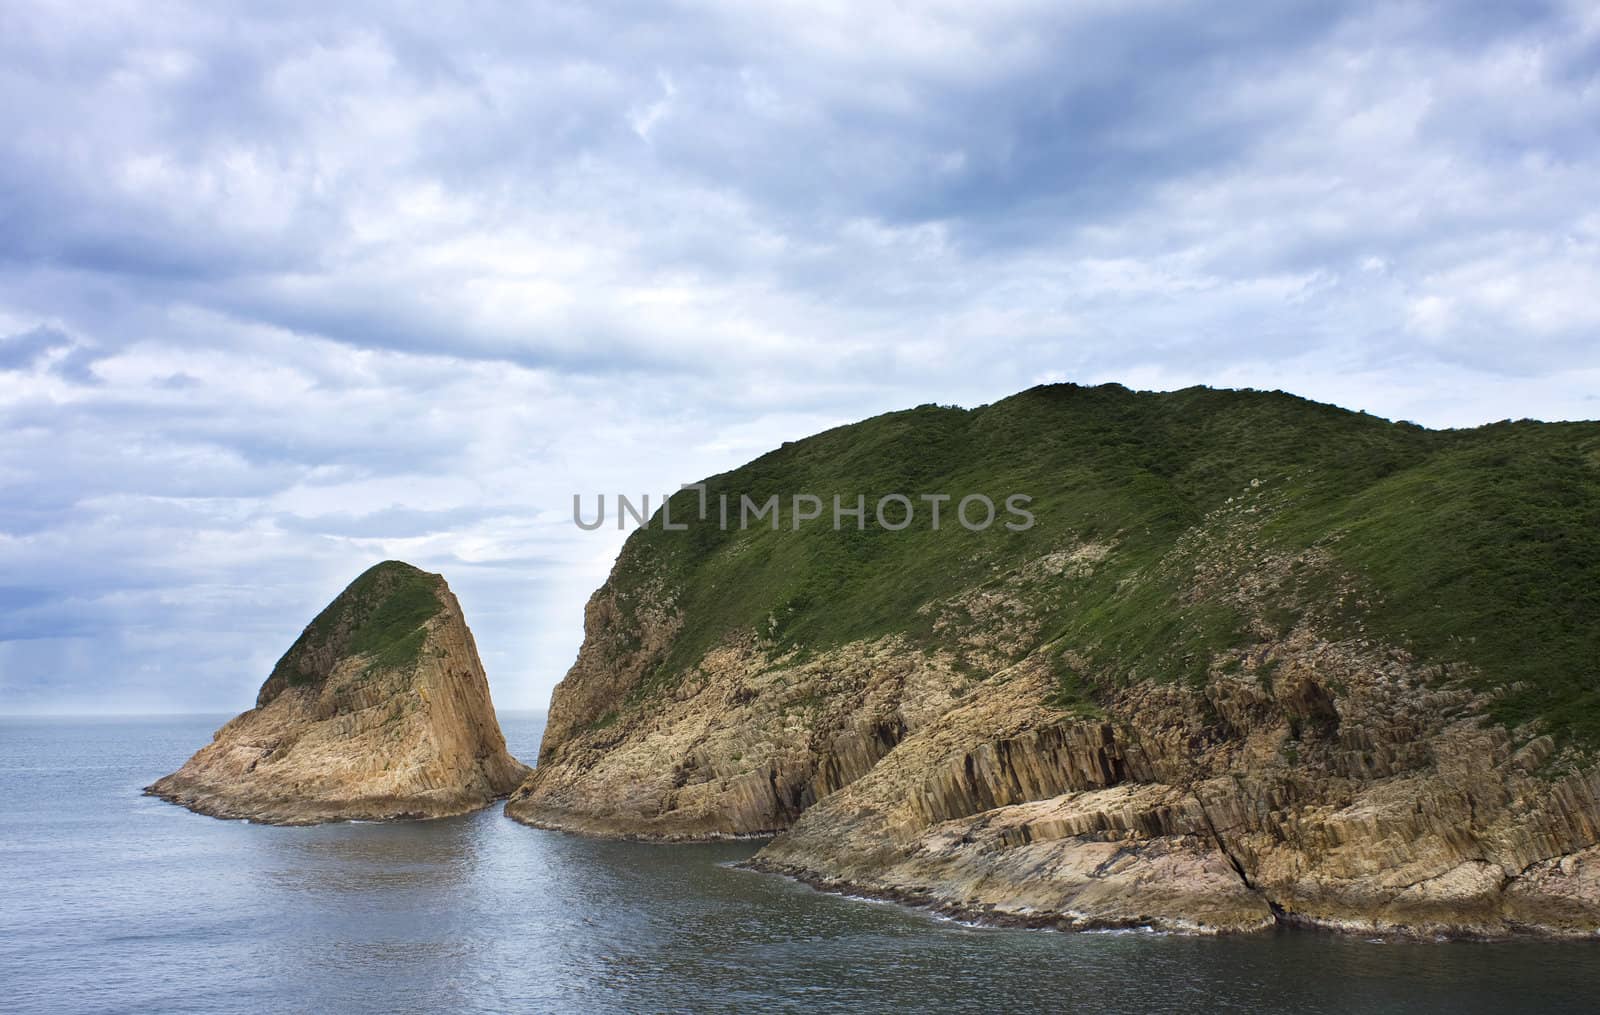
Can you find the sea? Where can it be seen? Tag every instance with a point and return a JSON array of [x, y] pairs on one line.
[[111, 901]]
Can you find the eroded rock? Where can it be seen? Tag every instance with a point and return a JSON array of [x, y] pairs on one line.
[[380, 710]]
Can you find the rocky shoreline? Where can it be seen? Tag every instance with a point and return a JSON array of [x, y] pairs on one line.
[[992, 915], [996, 906], [288, 811], [1256, 665], [1356, 792]]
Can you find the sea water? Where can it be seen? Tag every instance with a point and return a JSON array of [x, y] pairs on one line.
[[113, 901]]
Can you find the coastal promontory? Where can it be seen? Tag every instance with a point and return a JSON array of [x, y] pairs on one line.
[[1256, 660]]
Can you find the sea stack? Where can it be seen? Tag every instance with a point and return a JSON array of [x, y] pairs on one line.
[[380, 710]]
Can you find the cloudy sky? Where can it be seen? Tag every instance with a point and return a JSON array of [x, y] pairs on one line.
[[288, 291]]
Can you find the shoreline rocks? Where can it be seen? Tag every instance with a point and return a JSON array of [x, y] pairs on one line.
[[1191, 809], [1255, 665]]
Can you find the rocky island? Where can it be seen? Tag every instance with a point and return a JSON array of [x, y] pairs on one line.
[[379, 710], [1259, 660]]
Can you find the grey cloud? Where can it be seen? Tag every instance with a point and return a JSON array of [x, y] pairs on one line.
[[75, 361], [288, 289], [391, 522], [23, 350]]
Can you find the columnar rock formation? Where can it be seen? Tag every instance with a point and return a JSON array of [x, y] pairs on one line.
[[1206, 809], [379, 710], [1226, 682]]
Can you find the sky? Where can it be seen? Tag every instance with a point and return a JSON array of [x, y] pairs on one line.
[[293, 288]]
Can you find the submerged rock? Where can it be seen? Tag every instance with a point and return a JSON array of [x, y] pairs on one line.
[[379, 710]]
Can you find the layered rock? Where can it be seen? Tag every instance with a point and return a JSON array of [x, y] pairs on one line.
[[380, 710], [739, 751], [1202, 720], [1012, 813], [1335, 782]]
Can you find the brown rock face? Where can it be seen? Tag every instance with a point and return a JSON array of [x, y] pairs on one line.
[[739, 752], [1320, 779], [1214, 810], [380, 710]]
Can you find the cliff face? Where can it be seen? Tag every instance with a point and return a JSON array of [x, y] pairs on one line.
[[1209, 810], [380, 710], [740, 751], [1213, 689]]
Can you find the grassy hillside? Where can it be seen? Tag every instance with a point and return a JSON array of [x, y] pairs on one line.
[[1477, 546], [381, 614]]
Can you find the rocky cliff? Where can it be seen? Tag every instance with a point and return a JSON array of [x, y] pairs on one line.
[[1258, 661], [379, 710]]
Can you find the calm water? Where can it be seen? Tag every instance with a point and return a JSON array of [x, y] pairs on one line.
[[110, 901]]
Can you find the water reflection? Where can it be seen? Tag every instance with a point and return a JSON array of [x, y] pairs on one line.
[[371, 857], [112, 902]]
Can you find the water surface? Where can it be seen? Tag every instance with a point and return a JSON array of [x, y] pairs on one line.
[[111, 901]]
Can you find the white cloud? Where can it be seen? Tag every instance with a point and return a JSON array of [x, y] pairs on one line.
[[334, 284]]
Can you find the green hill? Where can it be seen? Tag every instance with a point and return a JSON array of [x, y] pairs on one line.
[[1479, 549]]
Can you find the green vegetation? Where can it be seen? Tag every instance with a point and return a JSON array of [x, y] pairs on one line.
[[401, 653], [381, 615], [1477, 547], [1073, 693], [1488, 552]]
